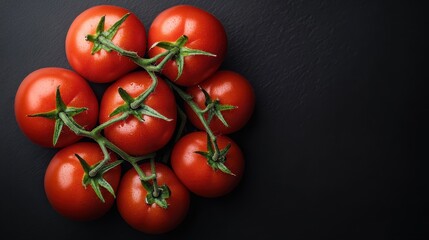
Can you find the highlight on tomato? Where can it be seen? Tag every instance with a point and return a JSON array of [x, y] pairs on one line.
[[93, 61], [46, 92]]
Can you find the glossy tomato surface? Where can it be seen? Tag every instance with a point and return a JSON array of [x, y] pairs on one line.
[[204, 31], [63, 183], [151, 218], [103, 66], [194, 171], [229, 88], [37, 94], [132, 135]]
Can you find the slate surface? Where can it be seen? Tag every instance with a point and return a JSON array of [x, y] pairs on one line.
[[334, 150]]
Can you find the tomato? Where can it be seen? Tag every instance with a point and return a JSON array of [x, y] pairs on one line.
[[194, 171], [36, 94], [151, 218], [229, 88], [133, 136], [103, 66], [204, 31], [63, 183]]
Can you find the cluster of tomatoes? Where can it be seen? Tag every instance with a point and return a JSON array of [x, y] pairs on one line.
[[138, 116]]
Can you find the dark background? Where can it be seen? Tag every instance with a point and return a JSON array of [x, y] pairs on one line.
[[334, 150]]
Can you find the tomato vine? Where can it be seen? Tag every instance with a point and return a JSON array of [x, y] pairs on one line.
[[215, 154], [102, 40]]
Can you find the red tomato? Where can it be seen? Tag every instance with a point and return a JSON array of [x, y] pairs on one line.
[[204, 31], [229, 88], [36, 94], [63, 183], [151, 218], [104, 66], [133, 136], [194, 171]]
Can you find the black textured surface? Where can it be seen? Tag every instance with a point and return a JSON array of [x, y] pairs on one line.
[[334, 149]]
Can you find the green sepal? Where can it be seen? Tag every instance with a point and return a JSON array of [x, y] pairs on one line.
[[59, 103], [57, 131], [182, 52], [138, 112], [108, 34], [219, 164], [125, 96], [120, 109], [60, 106], [161, 199], [204, 154], [96, 181], [72, 111], [215, 108], [146, 110], [51, 114], [192, 52], [180, 63], [165, 45], [100, 26]]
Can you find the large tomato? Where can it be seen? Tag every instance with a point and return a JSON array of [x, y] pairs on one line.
[[228, 88], [194, 171], [37, 94], [103, 66], [204, 31], [132, 135], [63, 183], [151, 218]]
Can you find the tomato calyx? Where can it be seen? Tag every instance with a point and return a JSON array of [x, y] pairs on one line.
[[140, 110], [108, 34], [155, 194], [216, 162], [97, 180], [60, 107], [175, 50], [213, 107], [159, 196], [180, 52]]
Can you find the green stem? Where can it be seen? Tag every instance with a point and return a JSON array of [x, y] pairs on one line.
[[208, 107], [155, 192], [200, 114], [142, 97], [130, 54], [141, 174], [78, 130], [157, 57], [145, 63], [103, 142], [111, 121], [158, 68], [106, 158]]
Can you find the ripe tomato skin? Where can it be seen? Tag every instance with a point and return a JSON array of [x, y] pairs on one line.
[[152, 218], [36, 94], [103, 66], [194, 171], [63, 183], [133, 136], [204, 31], [229, 88]]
